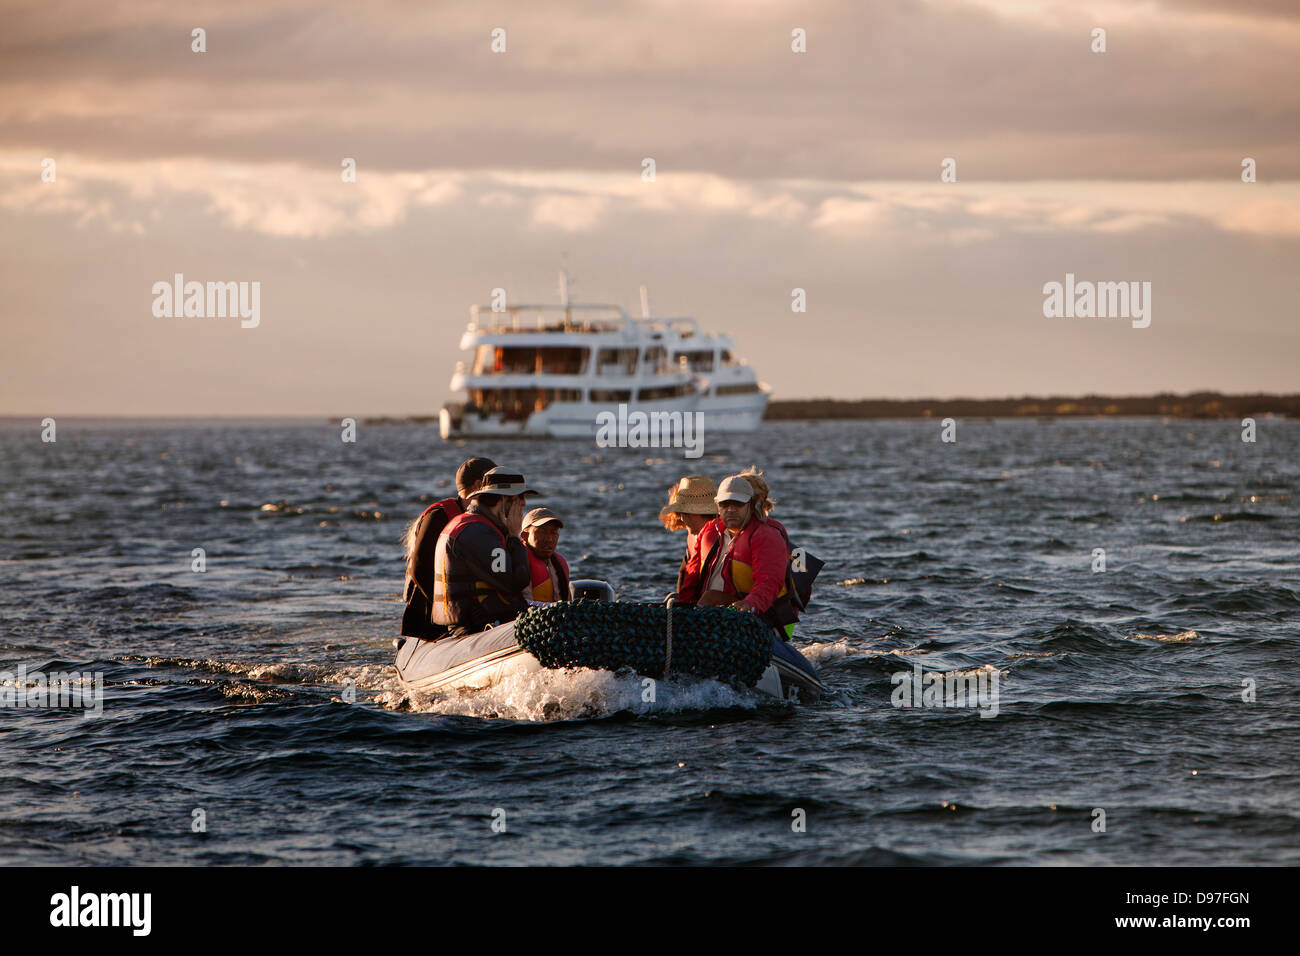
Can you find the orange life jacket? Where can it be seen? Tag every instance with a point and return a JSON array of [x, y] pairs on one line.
[[541, 577]]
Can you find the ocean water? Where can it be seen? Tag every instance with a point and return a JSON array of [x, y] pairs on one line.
[[1145, 714]]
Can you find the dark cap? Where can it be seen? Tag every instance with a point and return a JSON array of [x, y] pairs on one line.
[[471, 473]]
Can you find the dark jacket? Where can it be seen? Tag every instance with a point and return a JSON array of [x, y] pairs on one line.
[[417, 619], [480, 574]]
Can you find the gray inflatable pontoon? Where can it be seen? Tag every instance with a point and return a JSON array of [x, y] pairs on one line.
[[480, 660]]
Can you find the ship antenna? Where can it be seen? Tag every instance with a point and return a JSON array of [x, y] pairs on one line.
[[564, 297], [645, 303]]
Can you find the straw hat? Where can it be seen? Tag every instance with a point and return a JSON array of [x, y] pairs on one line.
[[692, 496]]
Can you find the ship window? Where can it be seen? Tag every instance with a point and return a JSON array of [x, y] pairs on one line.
[[611, 395], [665, 391], [655, 356], [516, 404], [727, 359], [563, 361], [745, 389], [699, 361], [616, 362], [517, 360], [511, 404], [500, 360]]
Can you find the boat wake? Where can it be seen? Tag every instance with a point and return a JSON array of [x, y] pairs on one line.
[[541, 696], [577, 693]]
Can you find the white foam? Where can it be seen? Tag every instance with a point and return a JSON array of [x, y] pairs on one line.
[[819, 653], [567, 694], [285, 673], [1168, 638]]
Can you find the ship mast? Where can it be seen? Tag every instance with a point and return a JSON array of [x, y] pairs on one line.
[[564, 298]]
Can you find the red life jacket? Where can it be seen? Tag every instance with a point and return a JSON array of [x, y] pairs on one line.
[[458, 524], [452, 584], [450, 505], [429, 526], [541, 577], [417, 619]]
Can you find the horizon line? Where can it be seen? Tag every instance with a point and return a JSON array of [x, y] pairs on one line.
[[7, 417]]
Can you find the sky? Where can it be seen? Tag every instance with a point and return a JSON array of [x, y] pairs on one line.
[[774, 170]]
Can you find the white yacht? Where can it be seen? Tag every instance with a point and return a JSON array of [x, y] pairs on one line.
[[537, 370]]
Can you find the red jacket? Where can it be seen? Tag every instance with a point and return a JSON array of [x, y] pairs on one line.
[[688, 575], [756, 566]]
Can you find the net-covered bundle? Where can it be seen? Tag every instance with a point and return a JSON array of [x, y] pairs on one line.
[[706, 641]]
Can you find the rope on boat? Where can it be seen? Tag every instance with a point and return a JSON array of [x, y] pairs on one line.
[[701, 641], [668, 640]]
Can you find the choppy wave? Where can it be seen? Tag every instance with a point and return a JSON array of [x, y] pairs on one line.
[[263, 689]]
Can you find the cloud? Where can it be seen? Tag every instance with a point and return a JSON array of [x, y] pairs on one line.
[[1265, 218], [274, 199], [295, 202], [885, 90], [839, 213], [569, 212]]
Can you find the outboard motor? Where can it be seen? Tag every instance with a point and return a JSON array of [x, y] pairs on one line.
[[590, 589]]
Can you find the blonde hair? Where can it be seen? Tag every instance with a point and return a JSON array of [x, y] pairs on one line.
[[408, 538], [671, 519], [762, 503]]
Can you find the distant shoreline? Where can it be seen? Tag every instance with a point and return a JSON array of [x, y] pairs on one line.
[[1195, 405], [1202, 405]]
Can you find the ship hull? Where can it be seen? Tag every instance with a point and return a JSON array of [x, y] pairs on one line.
[[583, 421]]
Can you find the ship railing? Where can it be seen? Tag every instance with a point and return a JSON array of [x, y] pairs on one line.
[[548, 318], [683, 327]]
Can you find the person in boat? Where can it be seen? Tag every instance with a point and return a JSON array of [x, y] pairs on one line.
[[809, 565], [763, 505], [421, 540], [481, 570], [690, 507], [746, 562], [549, 571]]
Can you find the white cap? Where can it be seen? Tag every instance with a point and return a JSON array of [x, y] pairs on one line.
[[734, 488]]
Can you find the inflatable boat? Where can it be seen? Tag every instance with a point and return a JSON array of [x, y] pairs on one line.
[[594, 630]]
